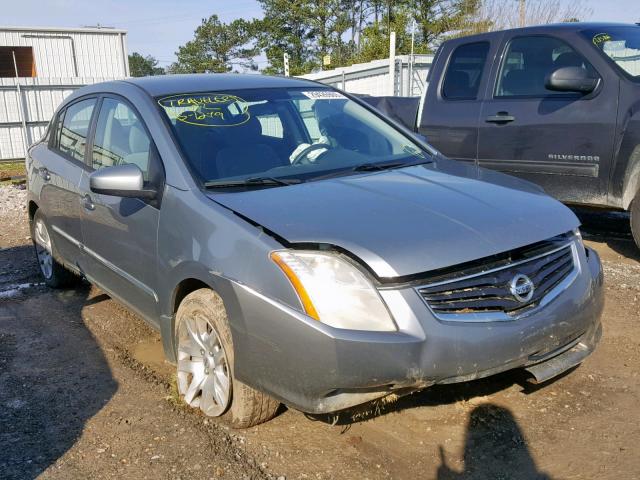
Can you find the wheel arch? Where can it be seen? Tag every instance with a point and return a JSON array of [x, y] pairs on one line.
[[631, 178], [188, 284], [32, 207]]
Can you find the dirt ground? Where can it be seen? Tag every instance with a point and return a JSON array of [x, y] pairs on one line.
[[85, 393]]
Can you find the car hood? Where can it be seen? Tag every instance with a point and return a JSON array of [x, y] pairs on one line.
[[410, 220]]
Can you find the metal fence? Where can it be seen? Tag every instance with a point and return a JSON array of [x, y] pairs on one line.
[[40, 67], [26, 106], [373, 78]]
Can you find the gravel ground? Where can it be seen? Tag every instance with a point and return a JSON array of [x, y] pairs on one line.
[[13, 199], [85, 393]]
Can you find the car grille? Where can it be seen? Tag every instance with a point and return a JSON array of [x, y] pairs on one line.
[[491, 291]]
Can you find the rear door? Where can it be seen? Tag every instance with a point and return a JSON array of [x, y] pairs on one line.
[[120, 234], [60, 169], [451, 107], [561, 141]]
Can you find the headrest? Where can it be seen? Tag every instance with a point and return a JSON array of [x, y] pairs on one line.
[[517, 82], [568, 59]]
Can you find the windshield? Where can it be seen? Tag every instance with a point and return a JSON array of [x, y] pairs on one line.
[[281, 133], [621, 45]]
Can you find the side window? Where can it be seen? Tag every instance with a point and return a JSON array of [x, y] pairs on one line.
[[120, 138], [54, 130], [464, 73], [72, 137], [528, 62]]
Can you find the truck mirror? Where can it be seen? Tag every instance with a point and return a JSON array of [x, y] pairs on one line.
[[571, 79]]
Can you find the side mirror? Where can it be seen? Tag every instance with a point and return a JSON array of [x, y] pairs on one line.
[[120, 181], [571, 79]]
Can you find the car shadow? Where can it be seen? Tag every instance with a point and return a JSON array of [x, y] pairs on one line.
[[437, 395], [495, 447], [610, 228], [53, 375]]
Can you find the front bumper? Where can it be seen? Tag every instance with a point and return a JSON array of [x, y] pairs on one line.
[[320, 369]]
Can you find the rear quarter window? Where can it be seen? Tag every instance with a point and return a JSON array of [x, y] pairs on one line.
[[464, 72]]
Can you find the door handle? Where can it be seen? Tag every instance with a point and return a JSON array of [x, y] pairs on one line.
[[500, 117], [87, 203], [44, 174]]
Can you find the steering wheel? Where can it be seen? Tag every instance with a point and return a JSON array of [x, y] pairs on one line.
[[302, 155]]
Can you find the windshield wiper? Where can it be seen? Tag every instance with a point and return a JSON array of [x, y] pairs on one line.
[[373, 167], [252, 182]]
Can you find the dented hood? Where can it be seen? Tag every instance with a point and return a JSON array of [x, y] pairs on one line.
[[409, 220]]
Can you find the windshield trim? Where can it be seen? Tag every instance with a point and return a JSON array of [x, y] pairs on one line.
[[201, 182]]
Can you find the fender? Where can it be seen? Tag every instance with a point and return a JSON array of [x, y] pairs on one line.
[[631, 179], [625, 173], [193, 272]]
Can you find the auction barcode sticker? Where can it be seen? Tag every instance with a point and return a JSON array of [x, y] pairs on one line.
[[323, 95]]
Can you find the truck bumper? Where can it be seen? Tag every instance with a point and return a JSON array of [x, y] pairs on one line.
[[319, 369]]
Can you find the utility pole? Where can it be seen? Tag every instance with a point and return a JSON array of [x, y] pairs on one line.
[[523, 12], [412, 58]]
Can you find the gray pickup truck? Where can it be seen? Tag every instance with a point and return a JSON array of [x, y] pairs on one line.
[[558, 105]]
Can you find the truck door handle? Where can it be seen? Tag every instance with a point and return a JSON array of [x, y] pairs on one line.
[[88, 204], [500, 117], [44, 174]]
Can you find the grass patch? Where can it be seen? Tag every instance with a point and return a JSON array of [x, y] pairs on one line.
[[11, 169]]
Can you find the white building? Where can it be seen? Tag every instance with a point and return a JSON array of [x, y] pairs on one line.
[[39, 67]]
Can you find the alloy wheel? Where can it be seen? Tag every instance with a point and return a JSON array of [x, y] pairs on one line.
[[43, 248], [203, 371]]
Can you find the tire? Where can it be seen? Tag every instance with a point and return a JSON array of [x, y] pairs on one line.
[[55, 275], [635, 219], [205, 378]]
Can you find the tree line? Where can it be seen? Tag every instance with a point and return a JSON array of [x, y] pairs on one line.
[[345, 32]]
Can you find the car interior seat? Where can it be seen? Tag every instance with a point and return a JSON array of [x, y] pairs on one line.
[[245, 151], [458, 84]]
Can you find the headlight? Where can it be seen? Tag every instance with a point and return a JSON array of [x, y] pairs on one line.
[[333, 291], [578, 236]]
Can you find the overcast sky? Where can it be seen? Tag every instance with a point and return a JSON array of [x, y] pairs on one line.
[[158, 27]]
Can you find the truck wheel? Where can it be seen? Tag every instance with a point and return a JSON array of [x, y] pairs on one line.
[[205, 364], [635, 219], [55, 275]]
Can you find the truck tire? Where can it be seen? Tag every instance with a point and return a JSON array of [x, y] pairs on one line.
[[205, 372], [635, 219], [55, 275]]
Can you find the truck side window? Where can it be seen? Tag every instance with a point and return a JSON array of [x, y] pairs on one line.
[[529, 60], [464, 73]]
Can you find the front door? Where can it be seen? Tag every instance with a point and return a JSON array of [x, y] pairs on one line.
[[120, 234], [546, 136]]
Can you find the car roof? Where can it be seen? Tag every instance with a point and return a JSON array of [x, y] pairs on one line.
[[552, 27], [211, 82]]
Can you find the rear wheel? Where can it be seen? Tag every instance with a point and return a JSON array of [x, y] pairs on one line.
[[205, 364], [635, 219], [53, 272]]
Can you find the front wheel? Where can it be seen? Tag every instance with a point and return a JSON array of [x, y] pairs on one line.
[[55, 275], [635, 219], [205, 364]]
